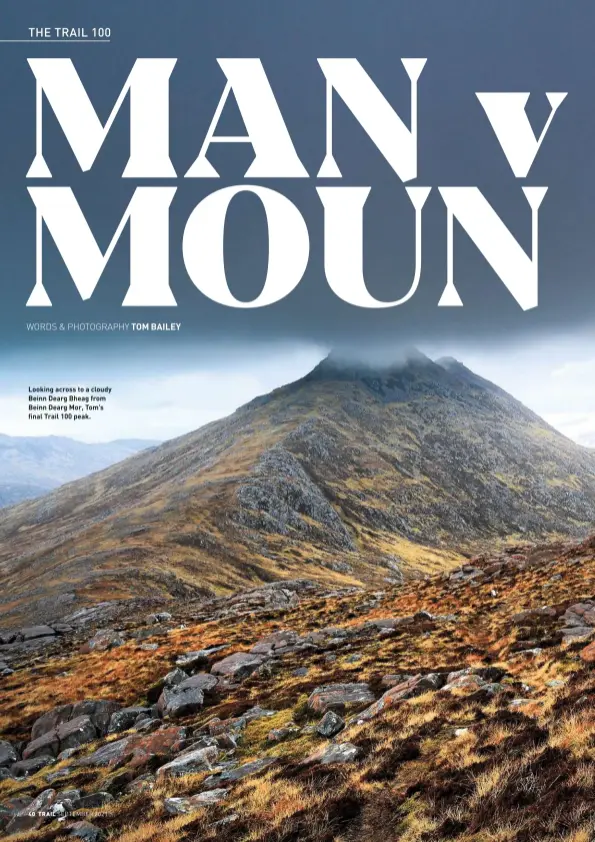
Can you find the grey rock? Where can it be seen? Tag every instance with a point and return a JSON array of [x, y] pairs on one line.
[[93, 800], [87, 832], [192, 803], [175, 703], [257, 712], [34, 815], [336, 753], [200, 658], [330, 724], [99, 712], [237, 666], [200, 760], [159, 617], [125, 718], [32, 632], [331, 696], [24, 768], [76, 732], [105, 639], [146, 726], [8, 754], [240, 772]]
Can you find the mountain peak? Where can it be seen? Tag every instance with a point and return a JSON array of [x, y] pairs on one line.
[[346, 365]]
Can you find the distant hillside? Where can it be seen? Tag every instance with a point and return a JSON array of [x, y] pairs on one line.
[[352, 474], [32, 466]]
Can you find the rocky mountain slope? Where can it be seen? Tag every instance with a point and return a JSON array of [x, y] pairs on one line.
[[352, 474], [31, 466], [459, 707]]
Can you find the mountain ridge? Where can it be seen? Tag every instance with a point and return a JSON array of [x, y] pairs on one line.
[[31, 466], [346, 476]]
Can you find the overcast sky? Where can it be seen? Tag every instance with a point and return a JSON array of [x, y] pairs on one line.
[[166, 401], [164, 385]]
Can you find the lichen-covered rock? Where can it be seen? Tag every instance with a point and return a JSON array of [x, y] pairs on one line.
[[339, 696], [330, 724], [335, 753], [192, 803], [201, 760], [580, 614], [406, 690]]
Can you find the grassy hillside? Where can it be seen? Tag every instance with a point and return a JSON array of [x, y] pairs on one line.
[[348, 476]]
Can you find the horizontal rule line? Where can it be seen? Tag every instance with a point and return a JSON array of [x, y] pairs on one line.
[[54, 41]]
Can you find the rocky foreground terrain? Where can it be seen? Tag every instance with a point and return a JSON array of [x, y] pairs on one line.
[[457, 707], [352, 475]]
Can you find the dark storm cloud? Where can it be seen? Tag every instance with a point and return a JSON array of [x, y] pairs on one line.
[[471, 45]]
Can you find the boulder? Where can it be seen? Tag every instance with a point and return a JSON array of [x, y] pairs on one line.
[[76, 732], [137, 749], [8, 754], [176, 676], [200, 658], [335, 753], [201, 760], [33, 632], [330, 724], [580, 614], [70, 734], [34, 815], [87, 832], [25, 768], [588, 653], [240, 772], [125, 718], [237, 666], [46, 744], [105, 639], [339, 696], [192, 803], [279, 735], [276, 642], [159, 617], [50, 720], [92, 801], [406, 690], [176, 703], [99, 712]]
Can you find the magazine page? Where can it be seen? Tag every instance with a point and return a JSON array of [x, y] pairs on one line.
[[297, 421]]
